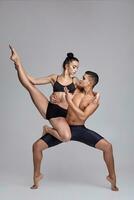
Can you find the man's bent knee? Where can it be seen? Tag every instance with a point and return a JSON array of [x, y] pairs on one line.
[[39, 145], [108, 147], [104, 145]]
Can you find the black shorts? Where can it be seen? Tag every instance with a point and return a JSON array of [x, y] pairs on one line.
[[53, 111], [79, 133]]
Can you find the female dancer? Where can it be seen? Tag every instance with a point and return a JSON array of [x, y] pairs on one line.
[[55, 113]]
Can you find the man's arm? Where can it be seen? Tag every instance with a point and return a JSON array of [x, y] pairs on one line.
[[89, 110]]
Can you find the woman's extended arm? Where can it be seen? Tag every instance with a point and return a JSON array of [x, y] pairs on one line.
[[42, 80]]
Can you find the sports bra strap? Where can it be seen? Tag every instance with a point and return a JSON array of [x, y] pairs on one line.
[[57, 77]]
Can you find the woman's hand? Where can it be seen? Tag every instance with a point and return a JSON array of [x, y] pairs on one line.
[[68, 95]]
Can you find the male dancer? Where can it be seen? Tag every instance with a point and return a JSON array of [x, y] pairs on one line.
[[81, 105]]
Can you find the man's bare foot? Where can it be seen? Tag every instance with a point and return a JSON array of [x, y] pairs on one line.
[[45, 130], [14, 56], [36, 181], [113, 183]]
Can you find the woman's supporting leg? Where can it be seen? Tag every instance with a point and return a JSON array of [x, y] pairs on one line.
[[39, 99]]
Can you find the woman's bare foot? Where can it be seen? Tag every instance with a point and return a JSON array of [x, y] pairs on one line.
[[113, 183], [45, 130], [14, 56], [36, 181]]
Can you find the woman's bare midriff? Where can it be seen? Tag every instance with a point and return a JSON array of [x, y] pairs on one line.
[[62, 102]]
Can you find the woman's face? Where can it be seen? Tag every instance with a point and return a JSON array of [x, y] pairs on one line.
[[73, 67]]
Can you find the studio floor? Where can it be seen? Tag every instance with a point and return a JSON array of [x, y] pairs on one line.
[[17, 187]]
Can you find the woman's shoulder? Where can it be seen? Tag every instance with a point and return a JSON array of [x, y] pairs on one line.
[[54, 77]]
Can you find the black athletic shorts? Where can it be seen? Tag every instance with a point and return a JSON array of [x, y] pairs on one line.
[[53, 111], [79, 133]]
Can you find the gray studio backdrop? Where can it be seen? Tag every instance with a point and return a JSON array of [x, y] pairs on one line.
[[101, 35]]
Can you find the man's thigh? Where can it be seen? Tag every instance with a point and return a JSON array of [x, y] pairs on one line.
[[85, 135], [49, 140]]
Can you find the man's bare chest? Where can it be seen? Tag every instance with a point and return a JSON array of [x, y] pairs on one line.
[[82, 101]]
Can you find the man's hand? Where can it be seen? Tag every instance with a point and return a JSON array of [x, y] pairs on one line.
[[97, 98], [68, 95]]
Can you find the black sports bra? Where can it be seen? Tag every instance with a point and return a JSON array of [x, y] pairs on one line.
[[58, 87]]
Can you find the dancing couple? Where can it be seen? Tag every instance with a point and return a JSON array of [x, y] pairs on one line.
[[70, 105]]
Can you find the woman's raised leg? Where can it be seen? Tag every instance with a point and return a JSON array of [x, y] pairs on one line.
[[39, 99]]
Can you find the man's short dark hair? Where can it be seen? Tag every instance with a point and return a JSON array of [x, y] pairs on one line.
[[94, 76]]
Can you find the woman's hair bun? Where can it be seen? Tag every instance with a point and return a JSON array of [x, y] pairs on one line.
[[70, 55]]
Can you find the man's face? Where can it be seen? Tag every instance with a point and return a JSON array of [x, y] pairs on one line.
[[86, 81]]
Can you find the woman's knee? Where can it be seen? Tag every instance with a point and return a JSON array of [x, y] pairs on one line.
[[66, 137]]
